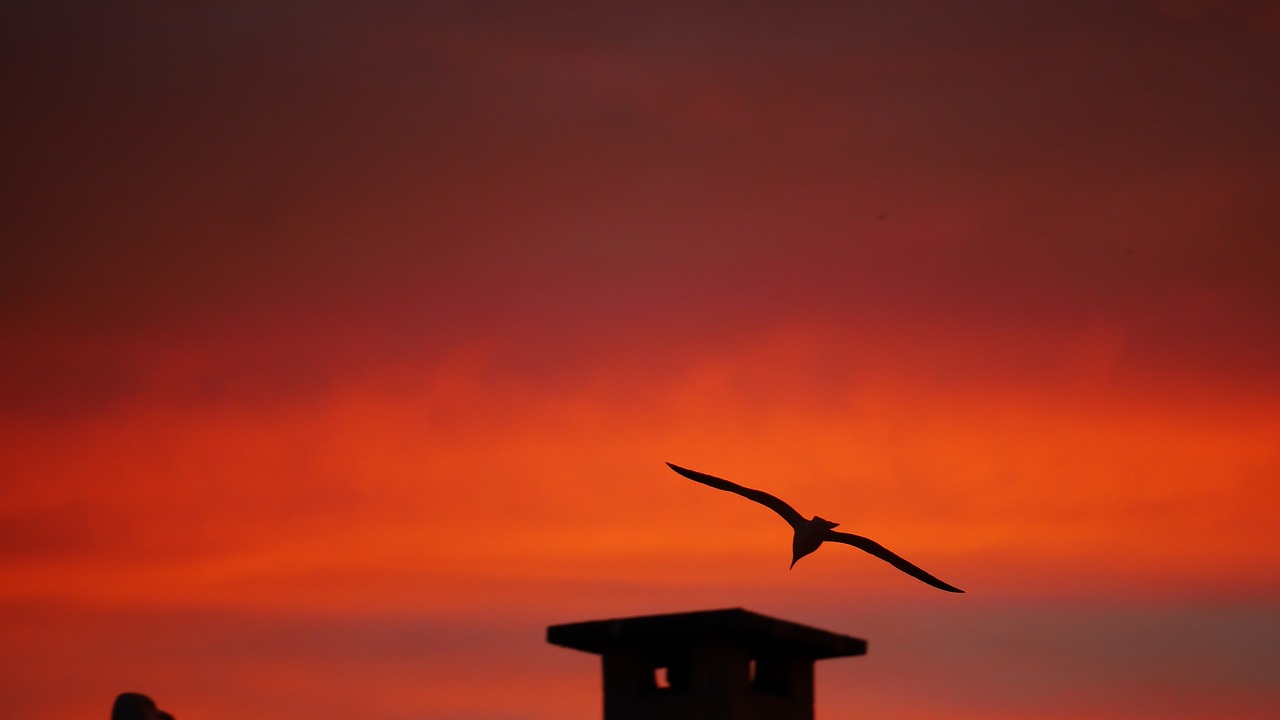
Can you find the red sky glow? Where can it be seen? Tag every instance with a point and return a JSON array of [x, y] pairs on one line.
[[343, 348]]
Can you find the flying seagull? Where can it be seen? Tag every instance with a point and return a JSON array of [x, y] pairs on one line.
[[812, 533]]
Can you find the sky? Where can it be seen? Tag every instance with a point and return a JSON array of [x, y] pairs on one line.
[[344, 345]]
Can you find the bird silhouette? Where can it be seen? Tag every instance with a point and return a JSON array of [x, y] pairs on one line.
[[811, 533]]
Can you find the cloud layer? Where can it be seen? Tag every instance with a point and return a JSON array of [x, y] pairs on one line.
[[350, 345]]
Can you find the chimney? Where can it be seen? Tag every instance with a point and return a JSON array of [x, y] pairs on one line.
[[709, 665]]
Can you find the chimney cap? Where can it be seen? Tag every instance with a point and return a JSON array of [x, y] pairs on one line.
[[664, 631]]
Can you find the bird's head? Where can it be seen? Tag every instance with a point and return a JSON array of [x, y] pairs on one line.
[[825, 522]]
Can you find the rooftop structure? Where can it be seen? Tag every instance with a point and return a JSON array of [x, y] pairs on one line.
[[715, 664]]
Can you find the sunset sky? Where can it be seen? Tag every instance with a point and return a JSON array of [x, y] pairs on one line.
[[343, 345]]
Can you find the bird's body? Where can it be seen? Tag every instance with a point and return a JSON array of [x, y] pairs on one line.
[[809, 536], [810, 533]]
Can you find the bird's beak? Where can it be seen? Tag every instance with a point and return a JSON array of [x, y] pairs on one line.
[[793, 562]]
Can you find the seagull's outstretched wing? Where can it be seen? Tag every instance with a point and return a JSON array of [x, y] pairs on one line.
[[788, 513], [881, 552]]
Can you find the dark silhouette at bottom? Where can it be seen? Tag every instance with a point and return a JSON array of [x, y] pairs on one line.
[[728, 664], [136, 706]]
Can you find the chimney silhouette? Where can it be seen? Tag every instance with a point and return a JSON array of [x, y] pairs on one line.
[[710, 665]]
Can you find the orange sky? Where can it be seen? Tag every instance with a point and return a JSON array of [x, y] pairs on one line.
[[343, 350]]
